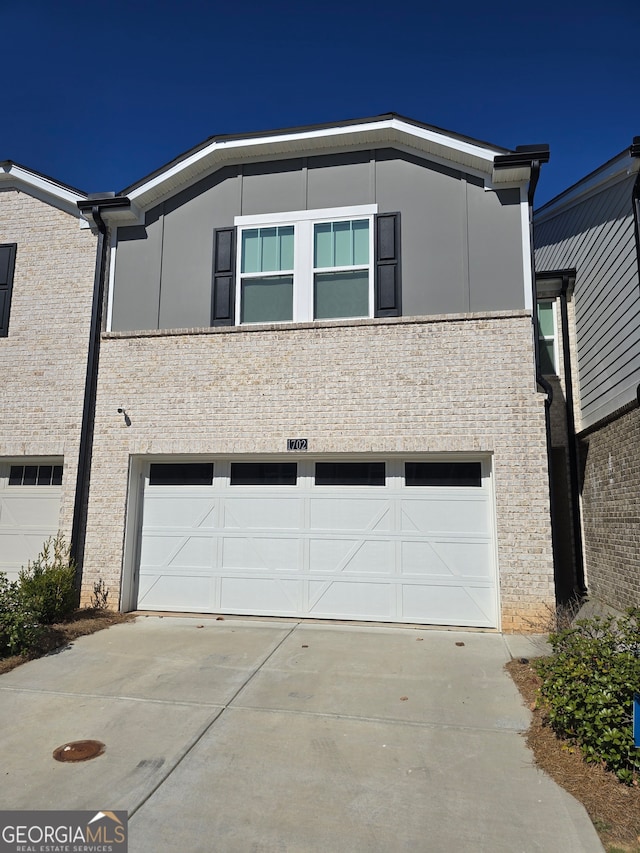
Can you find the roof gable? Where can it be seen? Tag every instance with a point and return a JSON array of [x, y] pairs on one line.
[[65, 198], [385, 131]]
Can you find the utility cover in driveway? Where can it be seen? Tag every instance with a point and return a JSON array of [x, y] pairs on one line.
[[387, 540]]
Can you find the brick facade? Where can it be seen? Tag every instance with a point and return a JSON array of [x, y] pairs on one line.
[[611, 510], [43, 359], [410, 385]]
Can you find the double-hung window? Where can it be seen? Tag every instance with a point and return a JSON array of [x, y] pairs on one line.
[[266, 274], [309, 265]]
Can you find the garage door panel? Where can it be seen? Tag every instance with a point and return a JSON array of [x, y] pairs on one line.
[[36, 511], [261, 595], [355, 513], [351, 555], [447, 605], [274, 554], [177, 551], [469, 559], [445, 515], [161, 592], [268, 512], [174, 508], [348, 600]]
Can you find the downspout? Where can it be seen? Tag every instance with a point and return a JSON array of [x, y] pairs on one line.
[[534, 156], [541, 382], [93, 207], [574, 475]]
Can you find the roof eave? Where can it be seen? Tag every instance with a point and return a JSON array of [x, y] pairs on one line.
[[391, 131], [622, 166], [14, 176]]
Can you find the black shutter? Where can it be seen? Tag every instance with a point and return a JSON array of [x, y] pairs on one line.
[[387, 249], [7, 263], [223, 291]]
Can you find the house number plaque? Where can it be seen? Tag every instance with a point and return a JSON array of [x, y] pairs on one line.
[[297, 444]]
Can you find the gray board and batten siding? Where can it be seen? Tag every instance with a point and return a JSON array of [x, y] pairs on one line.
[[461, 244], [595, 236]]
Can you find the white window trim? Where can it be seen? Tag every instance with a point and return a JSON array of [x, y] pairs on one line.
[[303, 260]]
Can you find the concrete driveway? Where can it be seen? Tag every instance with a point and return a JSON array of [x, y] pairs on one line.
[[274, 736]]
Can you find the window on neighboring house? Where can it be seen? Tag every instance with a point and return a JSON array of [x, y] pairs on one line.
[[547, 337], [309, 265], [7, 264]]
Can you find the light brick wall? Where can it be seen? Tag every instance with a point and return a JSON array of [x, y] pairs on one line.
[[611, 511], [43, 359], [463, 383]]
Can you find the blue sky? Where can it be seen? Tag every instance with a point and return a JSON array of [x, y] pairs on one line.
[[98, 95]]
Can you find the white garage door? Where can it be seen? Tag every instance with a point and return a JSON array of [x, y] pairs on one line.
[[388, 540], [29, 510]]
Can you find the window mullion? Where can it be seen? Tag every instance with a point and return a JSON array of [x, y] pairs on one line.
[[303, 272]]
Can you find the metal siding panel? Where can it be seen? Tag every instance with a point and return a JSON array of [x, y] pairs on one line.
[[597, 237]]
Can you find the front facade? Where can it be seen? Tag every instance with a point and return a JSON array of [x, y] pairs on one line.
[[588, 236], [47, 258], [317, 386]]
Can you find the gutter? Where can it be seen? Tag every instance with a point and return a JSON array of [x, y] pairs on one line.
[[92, 207]]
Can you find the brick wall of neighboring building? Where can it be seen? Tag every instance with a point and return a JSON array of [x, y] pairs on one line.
[[611, 511], [43, 359], [463, 383]]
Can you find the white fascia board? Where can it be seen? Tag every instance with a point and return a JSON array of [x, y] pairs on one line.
[[42, 188], [441, 139], [228, 150], [619, 169]]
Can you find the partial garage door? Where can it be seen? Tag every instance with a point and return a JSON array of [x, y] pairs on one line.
[[29, 510], [389, 540]]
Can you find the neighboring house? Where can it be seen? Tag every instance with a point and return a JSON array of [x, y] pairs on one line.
[[47, 261], [587, 245], [317, 389]]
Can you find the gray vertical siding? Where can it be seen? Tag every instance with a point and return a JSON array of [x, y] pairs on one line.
[[432, 202], [495, 248], [461, 245], [189, 221], [596, 236], [339, 180], [273, 187], [136, 294]]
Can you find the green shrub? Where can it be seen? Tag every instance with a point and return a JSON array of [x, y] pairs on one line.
[[48, 583], [20, 629], [588, 685]]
